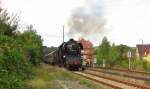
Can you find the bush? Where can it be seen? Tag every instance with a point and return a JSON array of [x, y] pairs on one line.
[[141, 65], [32, 45], [14, 67], [12, 57], [17, 52], [9, 81], [123, 63]]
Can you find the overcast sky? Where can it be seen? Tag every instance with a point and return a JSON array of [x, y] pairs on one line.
[[125, 21]]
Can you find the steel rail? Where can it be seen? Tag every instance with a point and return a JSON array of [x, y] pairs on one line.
[[134, 71], [127, 83], [101, 82], [125, 75]]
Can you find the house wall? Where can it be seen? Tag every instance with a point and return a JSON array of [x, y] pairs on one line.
[[88, 51]]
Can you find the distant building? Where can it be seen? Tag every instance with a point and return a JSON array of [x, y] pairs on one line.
[[142, 50], [88, 51]]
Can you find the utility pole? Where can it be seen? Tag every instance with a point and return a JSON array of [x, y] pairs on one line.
[[63, 33], [129, 55]]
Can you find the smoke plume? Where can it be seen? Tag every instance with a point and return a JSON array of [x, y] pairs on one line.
[[87, 19]]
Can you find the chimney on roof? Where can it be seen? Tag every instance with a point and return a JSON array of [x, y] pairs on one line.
[[142, 41]]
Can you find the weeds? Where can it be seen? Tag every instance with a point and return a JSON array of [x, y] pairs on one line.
[[47, 77]]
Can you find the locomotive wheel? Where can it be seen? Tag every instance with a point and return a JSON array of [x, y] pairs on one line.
[[77, 68], [83, 68], [68, 67], [59, 65]]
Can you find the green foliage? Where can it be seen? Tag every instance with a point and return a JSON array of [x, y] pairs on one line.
[[33, 45], [8, 24], [16, 58], [116, 56], [122, 52], [113, 56], [133, 51], [99, 57], [12, 57], [103, 51], [123, 63], [141, 65], [17, 52], [104, 48], [10, 81]]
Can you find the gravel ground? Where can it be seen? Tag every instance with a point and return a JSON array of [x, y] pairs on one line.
[[70, 85]]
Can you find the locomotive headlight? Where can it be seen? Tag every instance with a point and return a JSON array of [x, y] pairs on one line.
[[64, 56], [82, 51]]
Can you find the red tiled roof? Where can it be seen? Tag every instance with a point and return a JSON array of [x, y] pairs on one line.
[[86, 44], [143, 49]]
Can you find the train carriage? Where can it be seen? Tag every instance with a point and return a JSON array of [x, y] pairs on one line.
[[51, 58]]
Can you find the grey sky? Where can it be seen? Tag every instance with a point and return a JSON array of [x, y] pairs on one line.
[[126, 21]]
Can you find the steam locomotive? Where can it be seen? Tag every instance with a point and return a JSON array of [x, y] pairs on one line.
[[67, 55]]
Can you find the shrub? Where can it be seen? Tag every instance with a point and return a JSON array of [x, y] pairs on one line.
[[17, 52], [9, 81], [141, 65]]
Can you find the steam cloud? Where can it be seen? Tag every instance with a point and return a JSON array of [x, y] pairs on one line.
[[87, 19]]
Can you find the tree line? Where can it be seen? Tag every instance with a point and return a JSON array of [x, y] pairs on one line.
[[112, 54], [116, 56], [19, 51]]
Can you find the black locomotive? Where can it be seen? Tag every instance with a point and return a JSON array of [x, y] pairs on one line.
[[68, 55]]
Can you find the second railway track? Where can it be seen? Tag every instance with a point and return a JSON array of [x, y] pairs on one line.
[[110, 82], [125, 73], [142, 73]]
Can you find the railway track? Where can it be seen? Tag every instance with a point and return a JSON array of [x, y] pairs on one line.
[[109, 81], [142, 73], [97, 80], [145, 76]]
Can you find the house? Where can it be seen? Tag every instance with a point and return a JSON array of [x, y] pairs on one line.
[[143, 51], [88, 51]]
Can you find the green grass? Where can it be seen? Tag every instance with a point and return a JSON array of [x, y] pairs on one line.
[[89, 84], [47, 77]]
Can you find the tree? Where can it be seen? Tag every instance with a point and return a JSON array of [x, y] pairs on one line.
[[103, 50], [17, 52], [32, 45], [122, 51], [113, 55], [8, 24]]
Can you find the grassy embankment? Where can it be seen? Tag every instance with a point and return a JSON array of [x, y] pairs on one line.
[[48, 77]]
